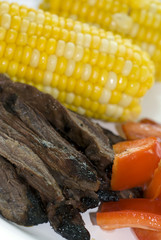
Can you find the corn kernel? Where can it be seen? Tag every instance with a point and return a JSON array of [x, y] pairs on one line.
[[71, 85], [32, 41], [6, 21], [70, 98], [21, 71], [41, 43], [15, 23], [94, 57], [111, 81], [29, 75], [87, 40], [12, 68], [24, 25], [55, 80], [110, 62], [10, 50], [11, 36], [39, 30], [64, 35], [3, 65], [127, 68], [80, 87], [78, 54], [35, 57], [115, 97], [96, 94], [51, 46], [132, 88], [40, 18], [119, 64], [31, 16], [47, 89], [102, 60], [55, 93], [26, 55], [23, 11], [14, 9], [47, 30], [111, 110], [47, 79], [62, 84], [60, 48], [96, 40], [104, 47], [125, 100], [70, 68], [105, 96], [22, 39], [4, 8], [86, 55], [94, 78], [88, 89], [77, 101], [86, 73], [32, 28], [69, 50], [81, 111], [38, 76], [43, 61]]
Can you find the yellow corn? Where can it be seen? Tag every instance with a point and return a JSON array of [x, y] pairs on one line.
[[138, 20], [89, 70]]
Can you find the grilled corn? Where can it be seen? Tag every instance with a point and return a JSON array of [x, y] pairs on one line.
[[91, 71], [137, 20]]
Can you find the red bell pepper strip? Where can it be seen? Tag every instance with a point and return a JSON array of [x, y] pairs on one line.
[[135, 162], [146, 128], [136, 213], [153, 190], [143, 234]]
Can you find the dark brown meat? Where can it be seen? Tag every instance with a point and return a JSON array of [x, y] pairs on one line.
[[105, 194], [113, 138], [67, 221], [15, 147], [18, 203], [28, 130], [81, 131]]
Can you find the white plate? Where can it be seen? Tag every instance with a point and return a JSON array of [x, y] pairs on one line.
[[9, 231]]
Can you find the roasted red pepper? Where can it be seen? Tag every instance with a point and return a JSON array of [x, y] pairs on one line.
[[144, 128], [143, 234], [153, 190], [137, 213], [135, 162]]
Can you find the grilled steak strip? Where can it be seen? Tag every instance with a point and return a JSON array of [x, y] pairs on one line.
[[18, 202], [56, 152], [67, 221], [14, 147], [81, 131]]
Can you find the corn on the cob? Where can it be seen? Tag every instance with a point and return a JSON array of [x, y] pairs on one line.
[[89, 70], [138, 20]]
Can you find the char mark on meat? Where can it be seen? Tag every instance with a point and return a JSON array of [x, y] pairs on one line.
[[67, 221], [18, 202]]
